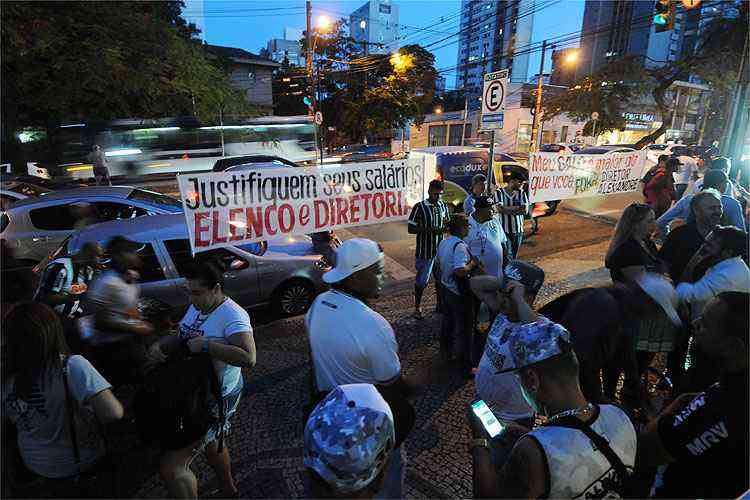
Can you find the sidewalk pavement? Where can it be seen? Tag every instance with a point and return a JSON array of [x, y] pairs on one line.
[[266, 438]]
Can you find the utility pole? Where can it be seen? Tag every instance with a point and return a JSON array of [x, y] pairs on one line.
[[536, 139], [466, 111], [309, 64]]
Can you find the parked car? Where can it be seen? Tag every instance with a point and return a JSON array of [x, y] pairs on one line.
[[654, 151], [34, 227], [603, 150], [560, 148], [286, 274], [237, 162]]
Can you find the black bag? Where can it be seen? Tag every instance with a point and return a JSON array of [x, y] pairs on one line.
[[175, 405]]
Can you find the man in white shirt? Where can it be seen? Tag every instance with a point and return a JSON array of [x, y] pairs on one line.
[[455, 263], [722, 254], [688, 168], [349, 342], [486, 237]]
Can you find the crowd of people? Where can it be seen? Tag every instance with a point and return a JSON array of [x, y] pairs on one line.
[[562, 406]]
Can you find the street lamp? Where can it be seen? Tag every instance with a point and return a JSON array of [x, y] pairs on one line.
[[572, 57], [324, 24], [362, 24], [438, 110]]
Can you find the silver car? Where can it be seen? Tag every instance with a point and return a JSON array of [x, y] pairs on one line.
[[36, 226], [286, 274]]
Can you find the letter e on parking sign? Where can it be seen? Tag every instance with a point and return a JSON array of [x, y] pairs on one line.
[[493, 99]]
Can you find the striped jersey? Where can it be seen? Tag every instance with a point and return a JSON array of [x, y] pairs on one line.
[[512, 223], [428, 215]]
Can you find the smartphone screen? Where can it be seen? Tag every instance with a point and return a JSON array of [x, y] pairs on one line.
[[491, 424]]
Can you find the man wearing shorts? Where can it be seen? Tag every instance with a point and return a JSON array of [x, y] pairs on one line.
[[428, 220]]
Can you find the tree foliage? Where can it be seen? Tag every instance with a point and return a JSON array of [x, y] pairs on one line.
[[617, 86], [368, 95], [101, 60]]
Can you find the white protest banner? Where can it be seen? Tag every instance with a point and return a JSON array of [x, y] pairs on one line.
[[553, 176], [244, 206]]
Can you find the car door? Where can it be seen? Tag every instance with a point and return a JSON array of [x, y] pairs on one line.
[[241, 281], [156, 282]]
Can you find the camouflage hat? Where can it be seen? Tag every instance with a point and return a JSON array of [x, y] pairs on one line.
[[349, 436], [529, 344]]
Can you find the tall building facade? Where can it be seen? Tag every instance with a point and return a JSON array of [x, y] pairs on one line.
[[288, 47], [613, 29], [491, 32], [375, 26], [194, 12]]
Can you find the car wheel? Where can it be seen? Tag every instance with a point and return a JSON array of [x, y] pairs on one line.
[[293, 298]]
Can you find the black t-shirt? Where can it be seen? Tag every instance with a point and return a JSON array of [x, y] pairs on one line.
[[708, 440], [632, 253], [679, 247]]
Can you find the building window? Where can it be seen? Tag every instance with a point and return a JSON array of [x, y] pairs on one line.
[[251, 77], [564, 133], [454, 135], [468, 131], [436, 135], [384, 9]]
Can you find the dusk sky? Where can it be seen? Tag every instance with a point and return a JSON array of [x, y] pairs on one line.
[[250, 24]]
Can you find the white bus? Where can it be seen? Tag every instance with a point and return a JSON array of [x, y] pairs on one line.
[[171, 145]]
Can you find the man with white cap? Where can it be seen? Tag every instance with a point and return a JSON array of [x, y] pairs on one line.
[[349, 342], [583, 449], [350, 446]]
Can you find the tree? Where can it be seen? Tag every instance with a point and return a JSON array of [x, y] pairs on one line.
[[616, 86], [101, 60], [369, 95]]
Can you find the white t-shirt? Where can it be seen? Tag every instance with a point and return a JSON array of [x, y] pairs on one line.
[[43, 429], [223, 322], [349, 342], [118, 298], [485, 242], [685, 172], [501, 391], [452, 254]]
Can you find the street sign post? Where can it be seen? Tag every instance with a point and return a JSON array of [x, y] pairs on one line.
[[493, 99], [493, 111]]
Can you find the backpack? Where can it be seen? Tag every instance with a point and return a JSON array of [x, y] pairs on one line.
[[176, 405]]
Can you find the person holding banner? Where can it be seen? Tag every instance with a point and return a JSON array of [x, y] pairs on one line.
[[428, 220]]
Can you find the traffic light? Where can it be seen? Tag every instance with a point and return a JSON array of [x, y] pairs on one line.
[[664, 13]]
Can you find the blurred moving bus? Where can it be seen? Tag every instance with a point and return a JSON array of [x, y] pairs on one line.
[[168, 145]]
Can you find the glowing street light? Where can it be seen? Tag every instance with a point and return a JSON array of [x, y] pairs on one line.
[[324, 23], [438, 110], [362, 24], [401, 62], [571, 57]]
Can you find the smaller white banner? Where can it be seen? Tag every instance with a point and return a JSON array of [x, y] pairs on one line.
[[553, 176]]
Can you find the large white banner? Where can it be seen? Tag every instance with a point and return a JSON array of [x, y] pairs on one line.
[[553, 176], [230, 208]]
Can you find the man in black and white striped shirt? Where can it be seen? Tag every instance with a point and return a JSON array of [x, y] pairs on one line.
[[428, 220], [512, 206]]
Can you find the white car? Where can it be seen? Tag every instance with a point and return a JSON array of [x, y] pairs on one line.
[[563, 149]]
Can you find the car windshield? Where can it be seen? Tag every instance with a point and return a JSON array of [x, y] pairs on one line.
[[173, 204], [252, 166], [551, 148], [658, 147]]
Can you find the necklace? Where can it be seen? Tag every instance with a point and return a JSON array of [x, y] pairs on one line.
[[573, 412]]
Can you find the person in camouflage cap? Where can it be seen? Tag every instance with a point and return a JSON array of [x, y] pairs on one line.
[[348, 441]]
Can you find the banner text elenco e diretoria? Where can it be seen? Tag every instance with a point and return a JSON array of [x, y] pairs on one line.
[[245, 206]]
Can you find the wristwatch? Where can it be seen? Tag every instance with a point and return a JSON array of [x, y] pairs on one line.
[[476, 442], [205, 345]]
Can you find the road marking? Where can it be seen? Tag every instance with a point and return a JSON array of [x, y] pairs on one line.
[[392, 268]]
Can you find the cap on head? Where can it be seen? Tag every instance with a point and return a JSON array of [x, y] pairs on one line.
[[527, 345], [478, 179], [483, 202], [352, 256], [529, 275], [348, 437]]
